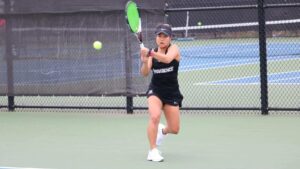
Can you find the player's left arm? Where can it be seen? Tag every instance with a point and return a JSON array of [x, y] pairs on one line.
[[173, 53]]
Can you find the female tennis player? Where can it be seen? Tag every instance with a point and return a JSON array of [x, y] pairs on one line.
[[163, 93]]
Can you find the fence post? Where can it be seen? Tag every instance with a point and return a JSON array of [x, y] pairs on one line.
[[129, 105], [263, 58], [128, 70], [9, 57], [11, 103]]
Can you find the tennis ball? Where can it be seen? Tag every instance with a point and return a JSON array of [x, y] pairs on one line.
[[199, 23], [97, 45]]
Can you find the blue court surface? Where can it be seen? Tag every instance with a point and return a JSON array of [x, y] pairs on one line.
[[222, 56], [218, 56]]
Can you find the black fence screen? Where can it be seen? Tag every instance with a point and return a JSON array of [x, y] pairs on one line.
[[49, 48]]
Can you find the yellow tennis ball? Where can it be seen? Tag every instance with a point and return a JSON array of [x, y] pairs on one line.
[[199, 23], [97, 45]]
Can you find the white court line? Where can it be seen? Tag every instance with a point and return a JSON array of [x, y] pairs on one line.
[[1, 167], [213, 83]]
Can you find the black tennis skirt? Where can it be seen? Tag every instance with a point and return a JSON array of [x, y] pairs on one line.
[[171, 97]]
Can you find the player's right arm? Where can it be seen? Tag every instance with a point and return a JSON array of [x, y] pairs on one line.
[[146, 62]]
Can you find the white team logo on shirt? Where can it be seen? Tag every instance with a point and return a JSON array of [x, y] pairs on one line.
[[164, 70]]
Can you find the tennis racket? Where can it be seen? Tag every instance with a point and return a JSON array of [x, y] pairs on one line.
[[134, 20]]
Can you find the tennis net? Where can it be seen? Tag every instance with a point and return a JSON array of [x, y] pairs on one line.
[[291, 26], [240, 39]]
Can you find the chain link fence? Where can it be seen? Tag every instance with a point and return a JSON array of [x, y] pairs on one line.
[[223, 63]]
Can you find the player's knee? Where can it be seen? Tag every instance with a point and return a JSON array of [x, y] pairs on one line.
[[155, 119], [175, 130]]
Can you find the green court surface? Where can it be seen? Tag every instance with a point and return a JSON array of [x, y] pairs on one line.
[[78, 140]]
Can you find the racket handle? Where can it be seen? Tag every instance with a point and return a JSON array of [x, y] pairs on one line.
[[141, 45]]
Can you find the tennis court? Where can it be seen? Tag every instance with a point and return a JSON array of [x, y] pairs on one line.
[[51, 64], [71, 140]]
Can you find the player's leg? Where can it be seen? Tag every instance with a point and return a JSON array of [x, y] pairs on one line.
[[172, 115], [173, 123], [154, 108]]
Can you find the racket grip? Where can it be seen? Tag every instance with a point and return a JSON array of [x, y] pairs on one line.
[[141, 45]]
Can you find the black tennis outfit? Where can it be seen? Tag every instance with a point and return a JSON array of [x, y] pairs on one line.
[[164, 82]]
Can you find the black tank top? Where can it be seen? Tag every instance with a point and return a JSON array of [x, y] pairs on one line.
[[164, 76]]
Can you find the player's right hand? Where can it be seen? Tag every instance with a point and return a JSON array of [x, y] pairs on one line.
[[144, 54]]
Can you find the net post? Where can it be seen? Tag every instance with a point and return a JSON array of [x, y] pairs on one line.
[[263, 58], [187, 23]]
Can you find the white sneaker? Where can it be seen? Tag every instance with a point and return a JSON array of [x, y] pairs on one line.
[[155, 155], [160, 136]]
